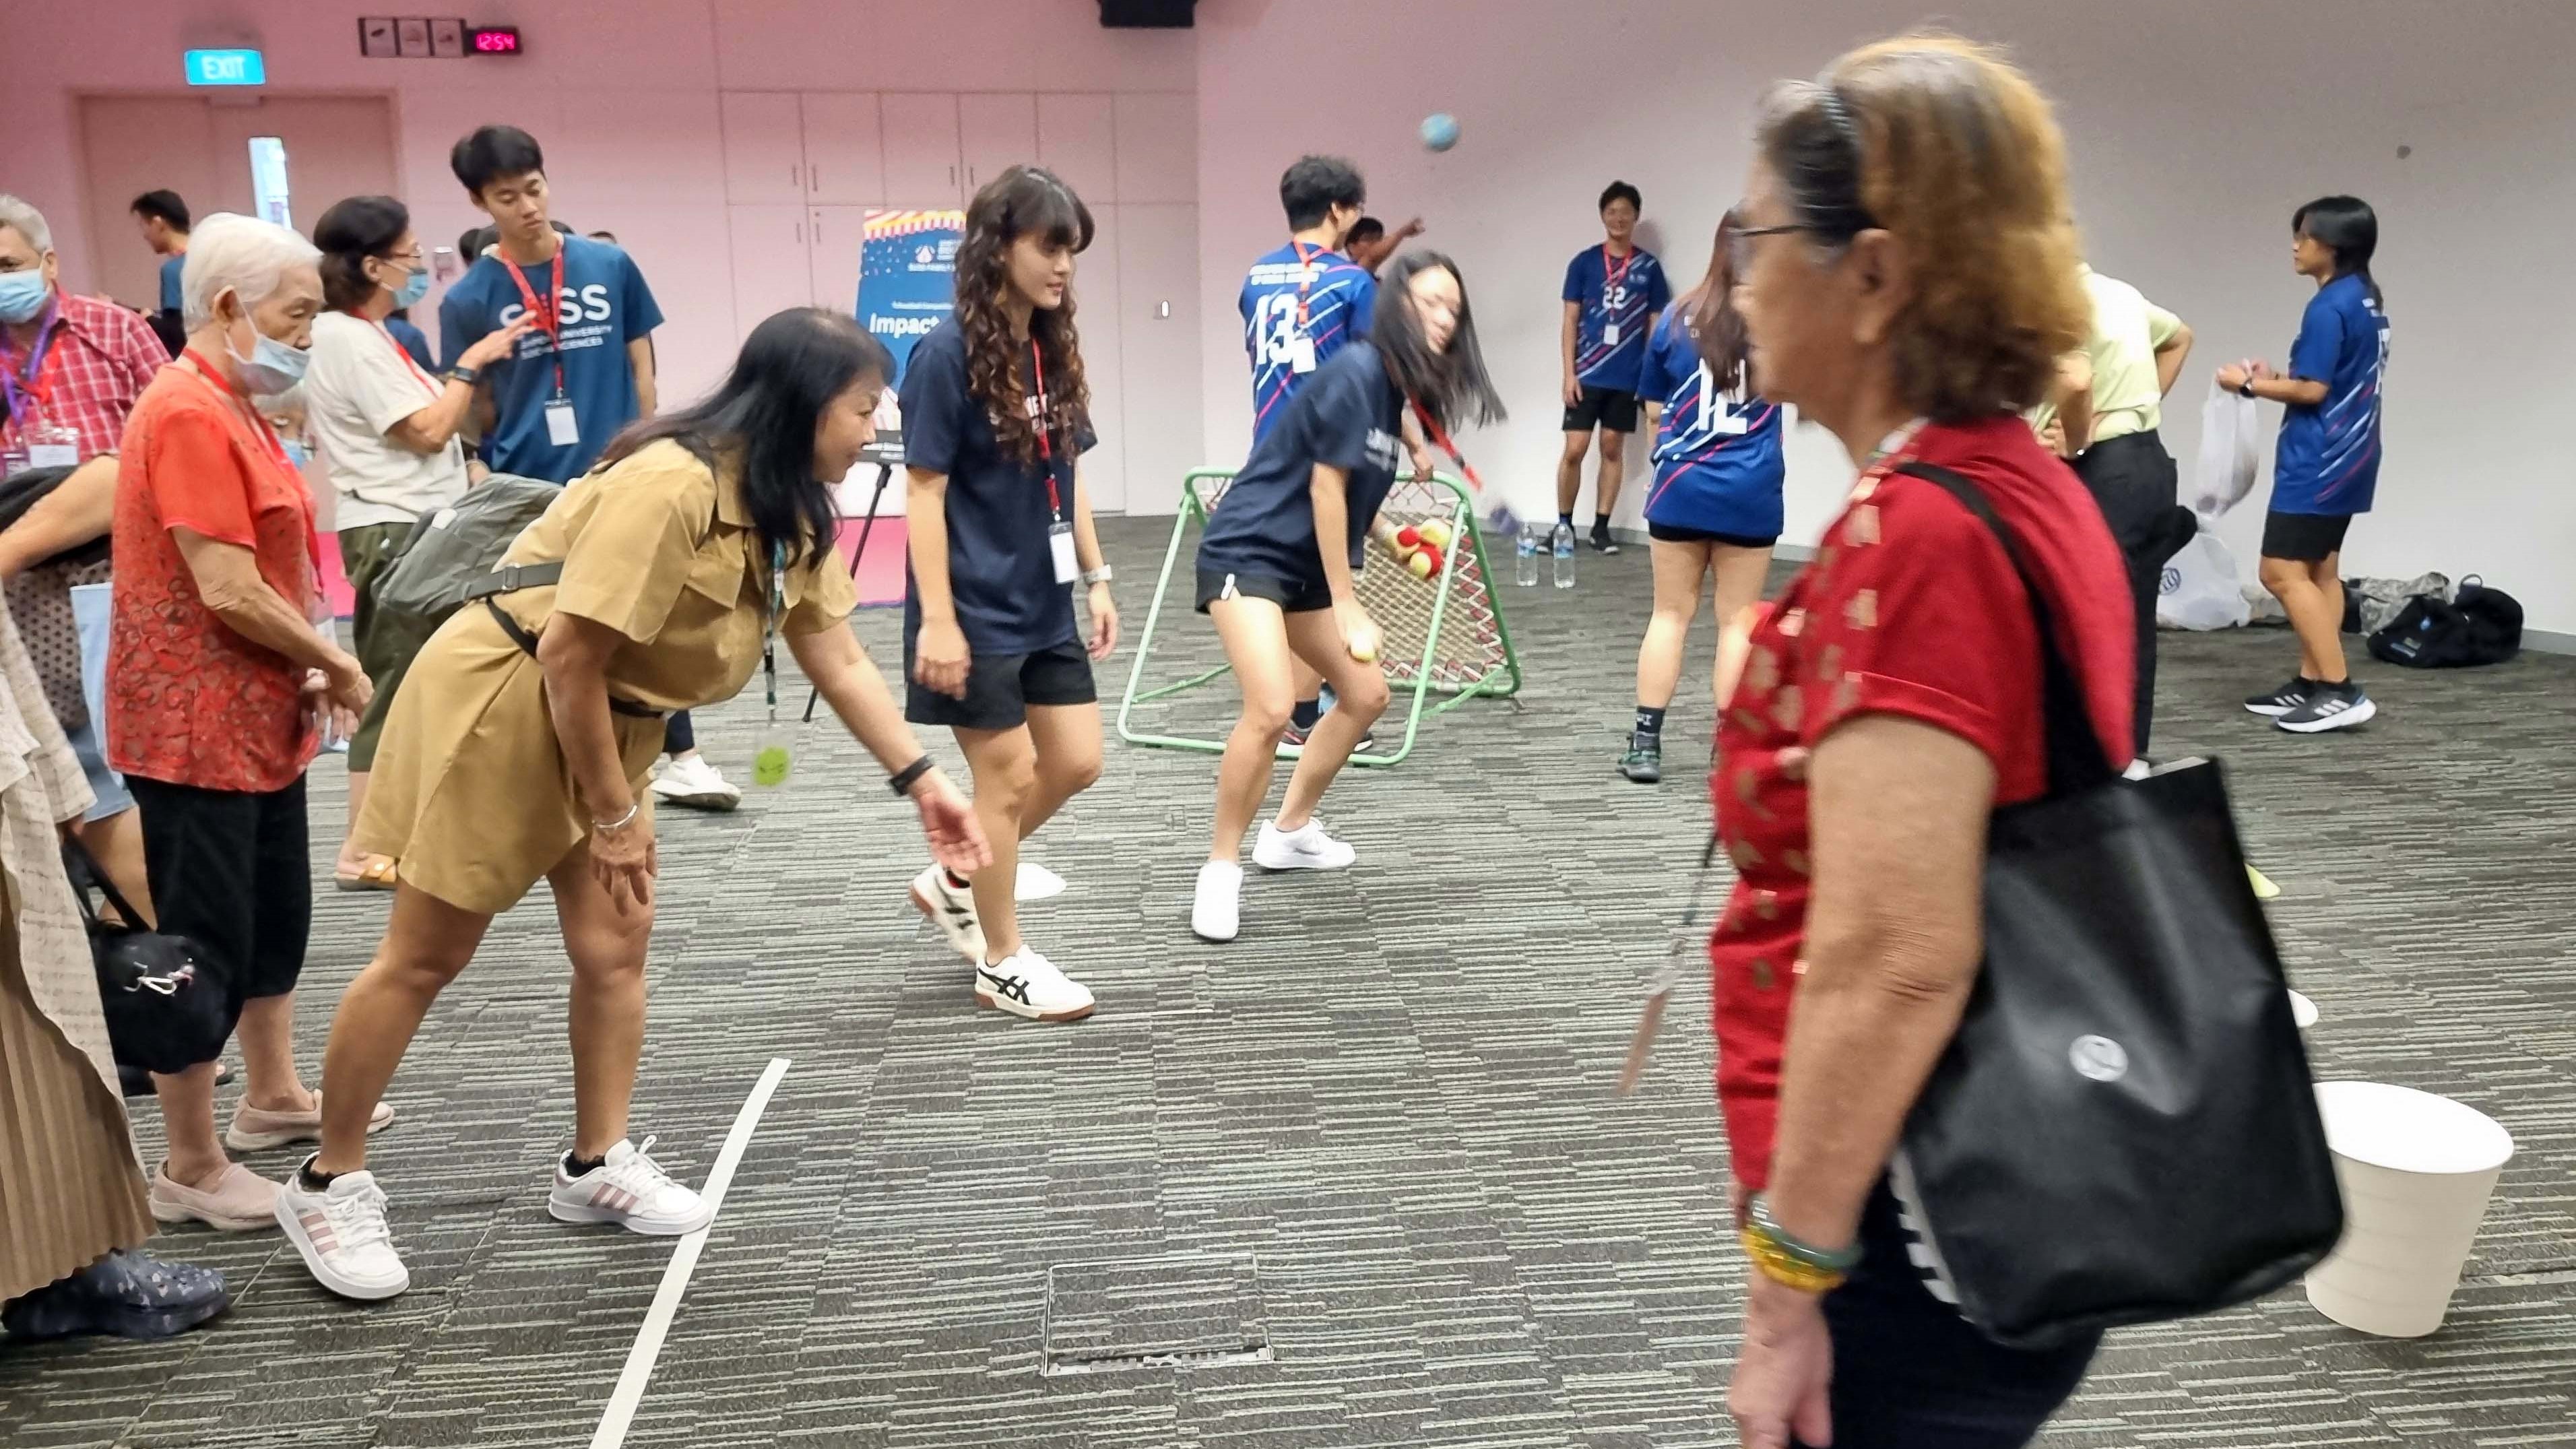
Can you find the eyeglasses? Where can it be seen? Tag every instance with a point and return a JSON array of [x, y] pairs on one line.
[[1739, 248]]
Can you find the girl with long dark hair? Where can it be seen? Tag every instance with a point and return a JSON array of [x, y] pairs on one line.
[[1276, 565], [2326, 468], [996, 414], [522, 740], [1715, 504]]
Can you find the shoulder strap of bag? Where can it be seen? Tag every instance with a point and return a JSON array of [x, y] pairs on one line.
[[2075, 758], [85, 871], [514, 578]]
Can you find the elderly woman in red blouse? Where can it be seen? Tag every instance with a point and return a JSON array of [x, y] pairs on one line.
[[1906, 279], [216, 682]]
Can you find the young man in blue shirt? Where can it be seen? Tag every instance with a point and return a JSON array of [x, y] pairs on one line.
[[582, 373], [1613, 293], [163, 218]]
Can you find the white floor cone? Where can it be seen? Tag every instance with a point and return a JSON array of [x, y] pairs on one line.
[[2416, 1171]]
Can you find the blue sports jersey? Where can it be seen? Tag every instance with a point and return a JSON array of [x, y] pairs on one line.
[[1339, 297], [1618, 296], [1717, 456], [1351, 419], [2328, 458], [605, 305]]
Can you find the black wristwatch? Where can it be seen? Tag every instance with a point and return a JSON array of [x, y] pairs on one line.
[[902, 781], [465, 375], [2245, 388]]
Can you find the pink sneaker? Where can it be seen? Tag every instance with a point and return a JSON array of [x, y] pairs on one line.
[[241, 1201], [253, 1130]]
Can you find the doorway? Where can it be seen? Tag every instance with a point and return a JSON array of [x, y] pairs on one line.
[[284, 157]]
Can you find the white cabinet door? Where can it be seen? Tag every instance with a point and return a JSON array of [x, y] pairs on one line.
[[1100, 321], [1158, 147], [1076, 141], [922, 169], [764, 148], [997, 132], [770, 270], [844, 150], [832, 235], [1158, 348]]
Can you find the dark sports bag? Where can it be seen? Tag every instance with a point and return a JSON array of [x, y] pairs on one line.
[[27, 487], [2476, 626], [450, 551]]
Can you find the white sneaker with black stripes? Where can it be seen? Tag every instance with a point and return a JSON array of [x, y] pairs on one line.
[[1027, 984], [630, 1189], [2332, 707], [951, 908]]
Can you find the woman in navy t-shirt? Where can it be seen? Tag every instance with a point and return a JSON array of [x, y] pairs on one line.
[[1276, 564], [1715, 504], [995, 413], [2327, 465]]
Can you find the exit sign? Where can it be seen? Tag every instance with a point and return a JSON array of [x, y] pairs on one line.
[[226, 68]]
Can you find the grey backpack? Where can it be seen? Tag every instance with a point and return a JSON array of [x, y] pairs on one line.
[[448, 553]]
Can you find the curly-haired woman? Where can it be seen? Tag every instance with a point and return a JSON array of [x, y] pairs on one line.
[[995, 415]]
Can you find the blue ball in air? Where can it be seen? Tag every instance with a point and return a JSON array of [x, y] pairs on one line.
[[1440, 132]]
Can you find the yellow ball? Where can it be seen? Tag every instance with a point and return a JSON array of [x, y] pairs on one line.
[[1436, 533], [1420, 564]]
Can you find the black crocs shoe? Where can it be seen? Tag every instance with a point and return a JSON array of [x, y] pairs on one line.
[[129, 1295]]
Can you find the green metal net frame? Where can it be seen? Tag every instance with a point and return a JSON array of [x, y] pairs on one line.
[[1442, 636]]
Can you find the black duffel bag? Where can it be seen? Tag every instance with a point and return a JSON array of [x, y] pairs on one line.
[[2476, 626], [164, 1000], [2124, 1129]]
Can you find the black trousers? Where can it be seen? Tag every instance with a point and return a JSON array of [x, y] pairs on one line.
[[678, 735], [2135, 481], [1910, 1373], [230, 871]]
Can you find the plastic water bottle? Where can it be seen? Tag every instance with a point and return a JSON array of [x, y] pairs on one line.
[[1562, 542], [1525, 558]]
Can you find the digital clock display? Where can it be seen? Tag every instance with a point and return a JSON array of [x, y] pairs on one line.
[[494, 39]]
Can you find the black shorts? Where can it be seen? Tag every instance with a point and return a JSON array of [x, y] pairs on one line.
[[1675, 533], [229, 871], [2304, 537], [1293, 596], [1001, 687], [1606, 408]]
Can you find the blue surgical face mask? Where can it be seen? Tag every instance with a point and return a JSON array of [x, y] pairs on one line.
[[415, 286], [23, 294], [272, 366]]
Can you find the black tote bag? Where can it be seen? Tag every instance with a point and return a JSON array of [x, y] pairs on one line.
[[2124, 1129], [165, 1003]]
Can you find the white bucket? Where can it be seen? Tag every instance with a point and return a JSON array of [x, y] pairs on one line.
[[2416, 1172]]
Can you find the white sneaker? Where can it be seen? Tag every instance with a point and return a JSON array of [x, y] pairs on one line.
[[694, 784], [952, 910], [1036, 883], [342, 1234], [1216, 911], [1306, 848], [631, 1190], [1025, 983]]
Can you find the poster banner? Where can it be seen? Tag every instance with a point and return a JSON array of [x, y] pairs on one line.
[[907, 276]]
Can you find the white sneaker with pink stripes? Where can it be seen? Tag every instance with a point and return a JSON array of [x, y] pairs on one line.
[[631, 1190], [341, 1234]]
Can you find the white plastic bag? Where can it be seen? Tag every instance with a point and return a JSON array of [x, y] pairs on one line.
[[2230, 452], [2199, 589]]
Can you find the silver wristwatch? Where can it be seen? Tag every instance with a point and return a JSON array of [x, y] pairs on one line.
[[1100, 575]]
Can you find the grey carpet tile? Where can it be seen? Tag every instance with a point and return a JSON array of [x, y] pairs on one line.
[[1392, 1097]]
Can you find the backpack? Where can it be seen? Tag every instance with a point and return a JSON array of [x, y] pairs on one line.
[[2477, 626], [23, 490], [437, 565]]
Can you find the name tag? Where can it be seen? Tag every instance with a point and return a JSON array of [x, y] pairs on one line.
[[1301, 354], [561, 428], [1609, 334], [53, 455], [1060, 542]]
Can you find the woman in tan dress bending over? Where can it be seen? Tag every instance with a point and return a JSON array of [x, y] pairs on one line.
[[520, 743]]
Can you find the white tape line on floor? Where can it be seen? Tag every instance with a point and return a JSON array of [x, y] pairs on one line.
[[684, 1261]]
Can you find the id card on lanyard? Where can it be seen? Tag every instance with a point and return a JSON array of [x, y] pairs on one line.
[[1068, 567], [1610, 282], [1301, 346], [774, 757], [46, 446], [563, 430]]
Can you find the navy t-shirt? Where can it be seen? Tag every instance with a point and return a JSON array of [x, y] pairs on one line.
[[1619, 295], [2328, 459], [1001, 569], [605, 305], [1348, 415], [171, 268], [1717, 455], [1339, 298]]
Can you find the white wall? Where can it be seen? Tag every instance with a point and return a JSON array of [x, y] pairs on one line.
[[2194, 126]]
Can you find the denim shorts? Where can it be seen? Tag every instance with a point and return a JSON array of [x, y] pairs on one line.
[[91, 610]]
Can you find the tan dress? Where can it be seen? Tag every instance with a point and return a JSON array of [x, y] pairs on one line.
[[71, 1189], [470, 791]]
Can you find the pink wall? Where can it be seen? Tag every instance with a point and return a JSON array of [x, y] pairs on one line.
[[622, 93], [2195, 127]]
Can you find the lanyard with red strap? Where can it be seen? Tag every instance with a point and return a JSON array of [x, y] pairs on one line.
[[549, 312], [1305, 274], [36, 381], [434, 386], [1042, 415], [274, 446], [1609, 278]]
